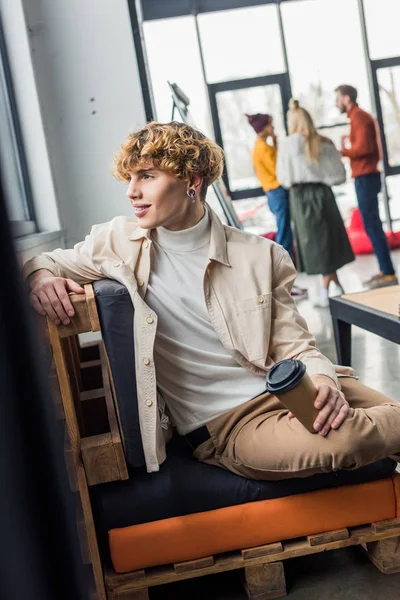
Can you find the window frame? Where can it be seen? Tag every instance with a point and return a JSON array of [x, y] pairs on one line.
[[7, 96], [376, 65]]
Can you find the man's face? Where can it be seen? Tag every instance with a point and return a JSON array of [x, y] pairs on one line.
[[341, 102], [158, 198]]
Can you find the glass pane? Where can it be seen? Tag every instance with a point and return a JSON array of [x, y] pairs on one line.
[[383, 17], [173, 55], [238, 136], [241, 43], [393, 184], [389, 93], [255, 215], [319, 54], [9, 164]]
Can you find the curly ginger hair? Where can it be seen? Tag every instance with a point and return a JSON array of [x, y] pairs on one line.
[[175, 147]]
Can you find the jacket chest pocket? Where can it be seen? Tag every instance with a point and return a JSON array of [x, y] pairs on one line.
[[254, 322]]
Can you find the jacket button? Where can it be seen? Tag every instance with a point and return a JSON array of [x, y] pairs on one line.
[[116, 264], [149, 402], [146, 361], [149, 320], [140, 282], [260, 299], [145, 244]]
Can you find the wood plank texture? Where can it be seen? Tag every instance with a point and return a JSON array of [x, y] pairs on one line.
[[74, 437], [92, 394], [265, 581], [112, 416], [193, 565], [133, 595], [92, 308], [386, 525], [99, 458], [327, 537], [262, 550], [385, 555]]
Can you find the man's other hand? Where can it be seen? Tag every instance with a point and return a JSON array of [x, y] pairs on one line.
[[331, 403], [49, 296]]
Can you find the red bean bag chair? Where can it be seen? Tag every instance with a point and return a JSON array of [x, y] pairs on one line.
[[359, 240]]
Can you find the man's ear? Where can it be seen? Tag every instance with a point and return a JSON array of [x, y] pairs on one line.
[[195, 183]]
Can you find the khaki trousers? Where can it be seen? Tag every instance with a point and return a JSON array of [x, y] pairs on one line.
[[258, 440]]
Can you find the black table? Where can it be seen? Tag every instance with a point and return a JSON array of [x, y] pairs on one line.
[[346, 312]]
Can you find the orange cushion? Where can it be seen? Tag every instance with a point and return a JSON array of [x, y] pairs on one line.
[[252, 524]]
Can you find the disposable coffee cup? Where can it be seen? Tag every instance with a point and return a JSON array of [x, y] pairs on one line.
[[288, 381]]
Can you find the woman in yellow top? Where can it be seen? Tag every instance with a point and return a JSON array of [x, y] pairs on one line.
[[264, 160]]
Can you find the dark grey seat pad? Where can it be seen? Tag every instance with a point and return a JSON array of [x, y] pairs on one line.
[[184, 486]]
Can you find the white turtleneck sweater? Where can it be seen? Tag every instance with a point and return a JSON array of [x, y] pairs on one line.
[[197, 377]]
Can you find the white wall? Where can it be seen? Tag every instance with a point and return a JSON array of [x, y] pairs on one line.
[[83, 50]]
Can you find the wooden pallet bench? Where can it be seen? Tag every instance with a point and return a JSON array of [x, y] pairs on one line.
[[83, 390]]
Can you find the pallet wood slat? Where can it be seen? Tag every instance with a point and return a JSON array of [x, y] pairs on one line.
[[134, 595], [193, 565], [88, 364], [92, 308], [74, 437], [92, 394], [99, 458], [386, 525], [115, 430], [329, 536], [262, 550]]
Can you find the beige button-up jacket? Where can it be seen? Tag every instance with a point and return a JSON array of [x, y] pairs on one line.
[[247, 287]]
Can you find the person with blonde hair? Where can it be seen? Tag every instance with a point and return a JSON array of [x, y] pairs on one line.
[[212, 314], [308, 165]]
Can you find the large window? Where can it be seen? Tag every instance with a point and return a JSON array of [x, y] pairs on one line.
[[238, 136], [12, 160], [241, 43], [174, 56], [325, 49], [383, 18], [389, 93]]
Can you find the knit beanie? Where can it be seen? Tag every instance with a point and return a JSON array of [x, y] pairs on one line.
[[258, 121]]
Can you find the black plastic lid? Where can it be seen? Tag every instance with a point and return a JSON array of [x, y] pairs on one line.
[[284, 376]]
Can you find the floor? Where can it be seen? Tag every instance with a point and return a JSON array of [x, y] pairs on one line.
[[343, 574]]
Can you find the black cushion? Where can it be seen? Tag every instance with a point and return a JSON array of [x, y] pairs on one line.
[[116, 317]]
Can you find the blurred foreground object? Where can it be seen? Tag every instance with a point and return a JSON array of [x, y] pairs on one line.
[[40, 555]]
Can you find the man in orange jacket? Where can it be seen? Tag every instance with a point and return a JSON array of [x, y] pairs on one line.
[[363, 149]]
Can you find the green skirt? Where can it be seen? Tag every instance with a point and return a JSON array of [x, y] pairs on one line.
[[321, 239]]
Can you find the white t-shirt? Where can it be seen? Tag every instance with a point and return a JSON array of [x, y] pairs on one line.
[[197, 377]]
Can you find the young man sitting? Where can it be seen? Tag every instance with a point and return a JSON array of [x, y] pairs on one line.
[[212, 314]]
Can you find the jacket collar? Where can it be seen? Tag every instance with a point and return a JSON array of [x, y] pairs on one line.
[[218, 244]]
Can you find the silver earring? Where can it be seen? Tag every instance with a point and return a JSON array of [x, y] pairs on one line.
[[192, 194]]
